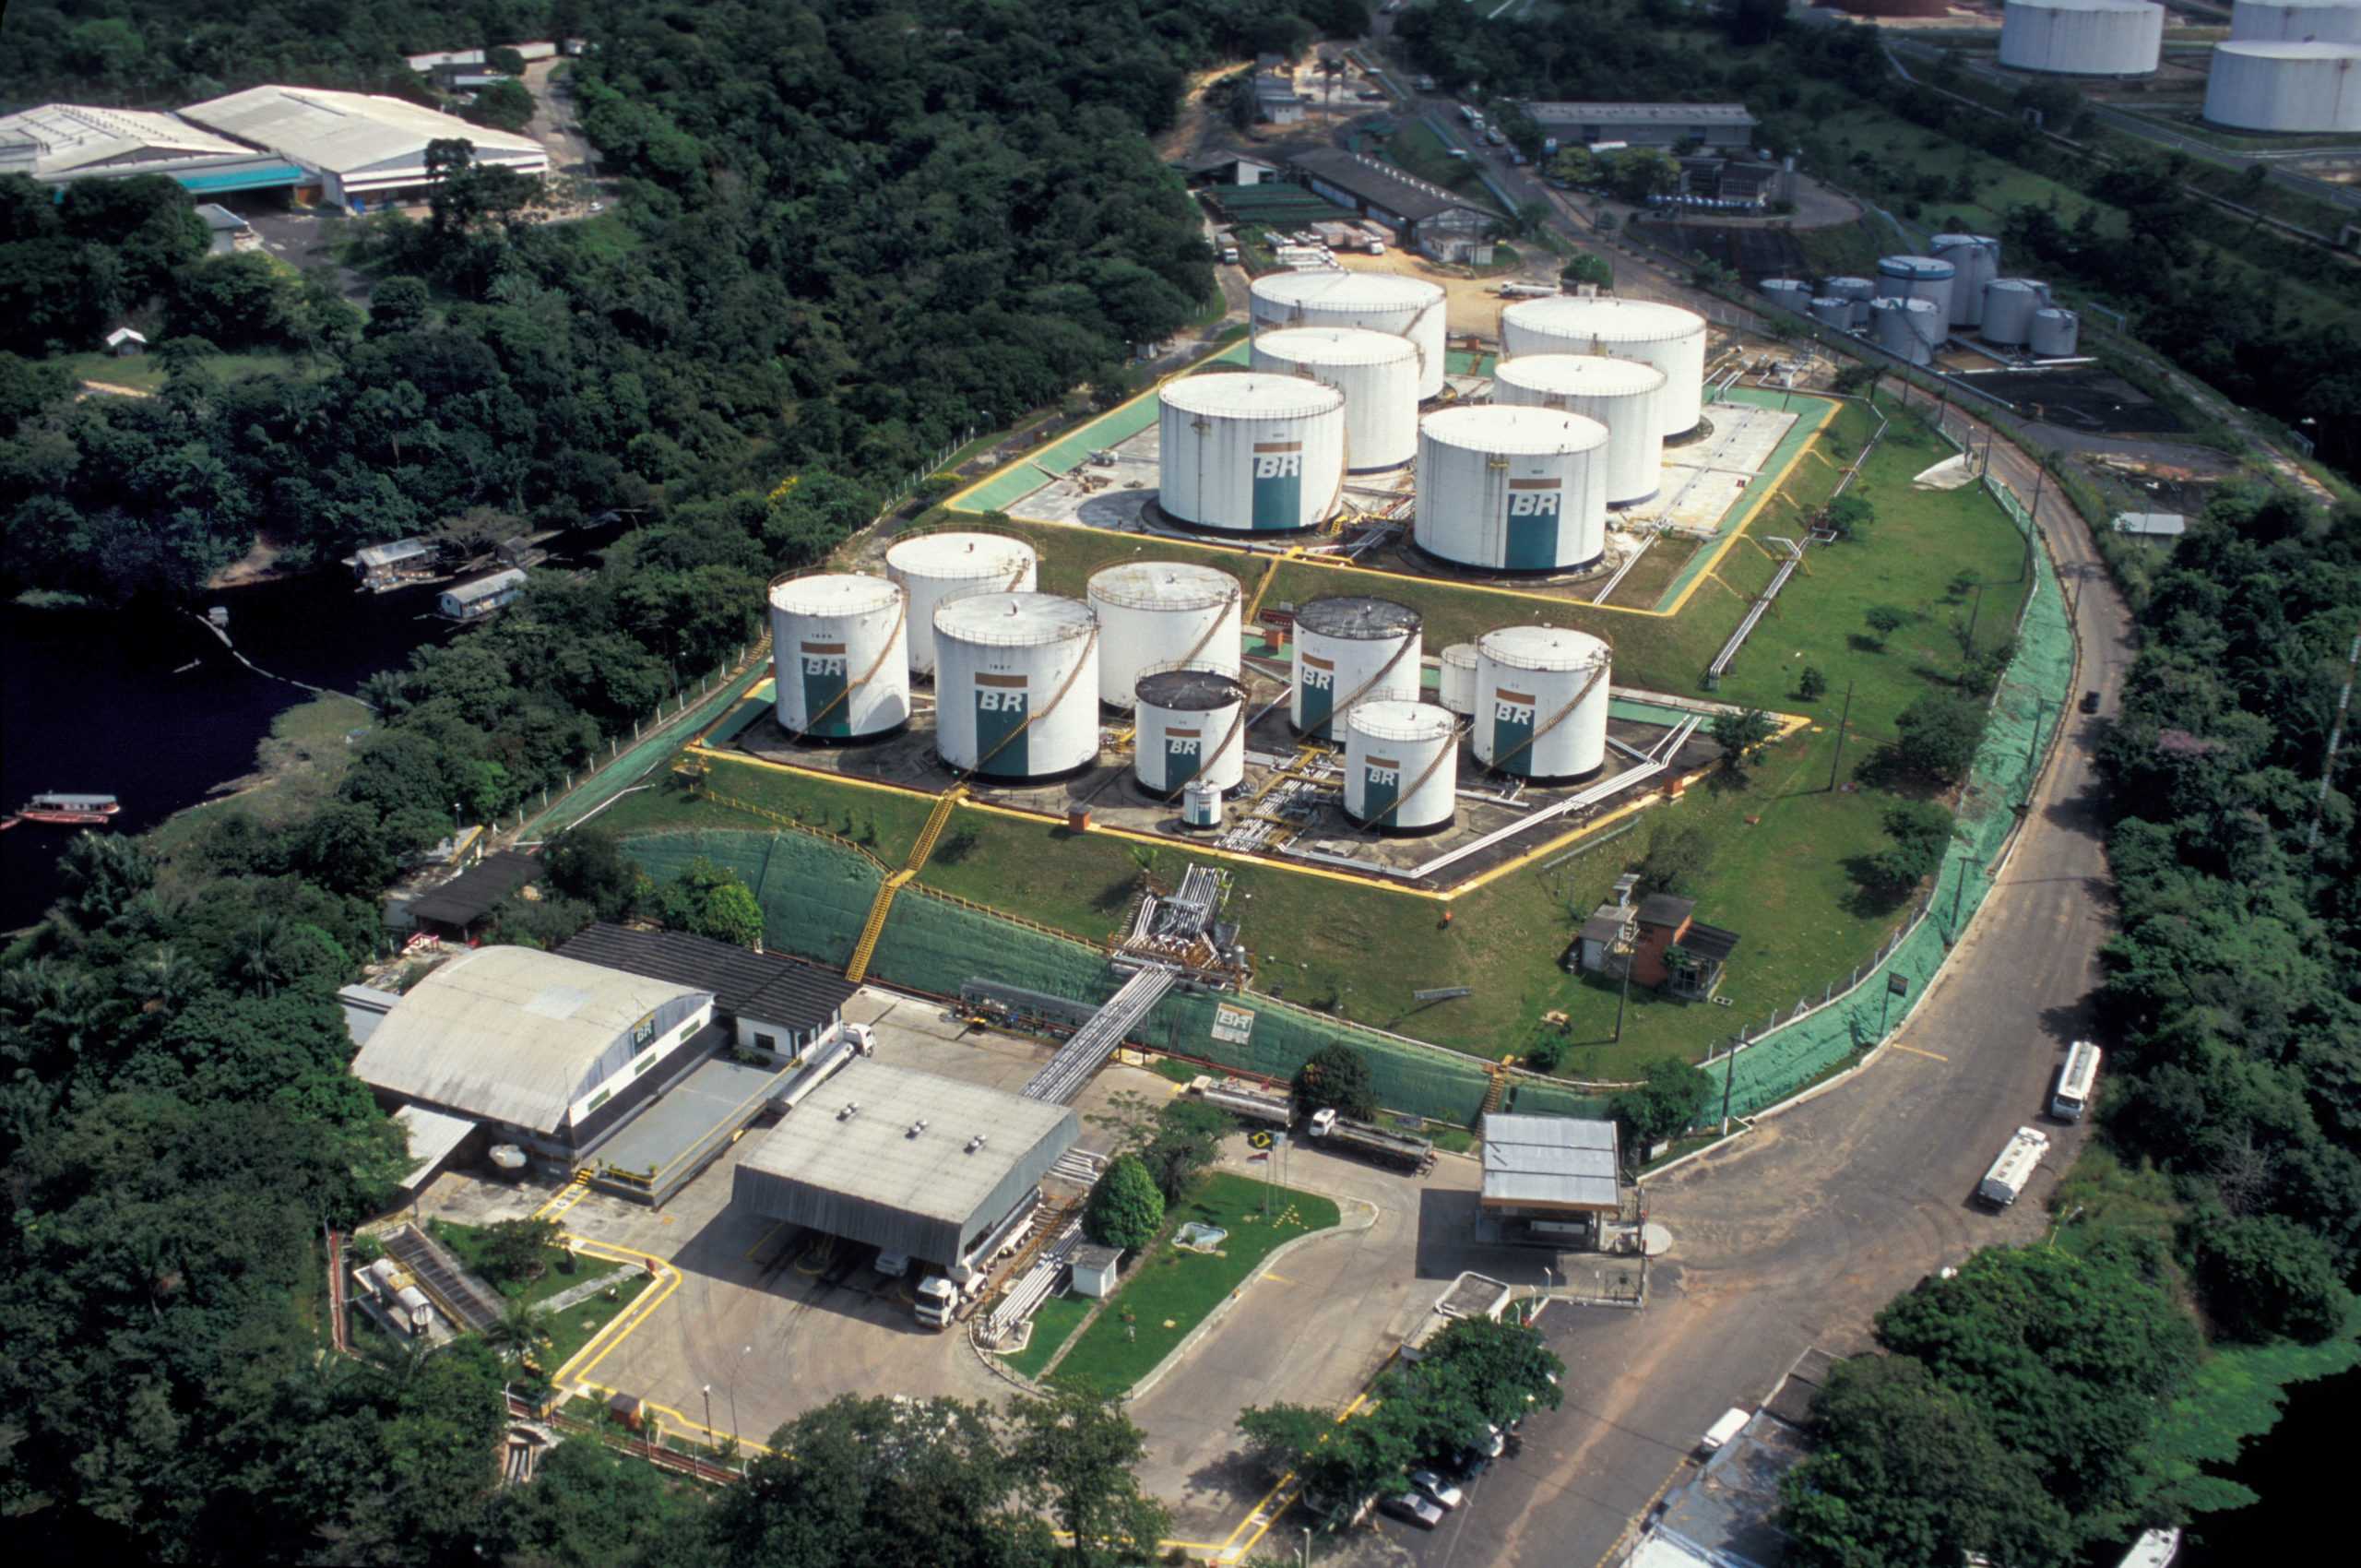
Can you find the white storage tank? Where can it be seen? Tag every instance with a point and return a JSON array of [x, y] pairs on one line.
[[1155, 613], [2295, 21], [1975, 261], [1861, 289], [2055, 333], [1381, 302], [1350, 650], [839, 656], [934, 568], [2271, 86], [1249, 454], [1891, 325], [1017, 686], [1511, 490], [1619, 394], [1200, 806], [1788, 294], [1918, 278], [1378, 373], [1192, 730], [1401, 767], [1541, 702], [2009, 304], [1830, 311], [2082, 38], [1457, 684], [1666, 337]]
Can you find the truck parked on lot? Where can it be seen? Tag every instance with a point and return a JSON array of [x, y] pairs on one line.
[[1249, 1102], [1731, 1423], [938, 1298], [1403, 1151], [2076, 1078], [2006, 1181]]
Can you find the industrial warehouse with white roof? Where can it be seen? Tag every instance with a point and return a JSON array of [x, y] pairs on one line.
[[358, 144]]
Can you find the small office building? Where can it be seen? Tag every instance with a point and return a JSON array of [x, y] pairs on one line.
[[1551, 1179]]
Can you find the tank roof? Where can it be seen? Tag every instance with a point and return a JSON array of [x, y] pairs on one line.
[[1498, 427], [1164, 585], [1543, 647], [1334, 345], [1949, 242], [960, 553], [1264, 395], [1460, 653], [1189, 690], [1392, 721], [1634, 320], [1590, 374], [1347, 290], [1014, 619], [1915, 266], [1901, 303], [834, 593], [1355, 618], [2030, 285]]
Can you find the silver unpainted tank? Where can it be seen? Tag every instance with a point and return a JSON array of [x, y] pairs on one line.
[[2056, 333], [1918, 278], [2009, 304], [1350, 650], [1541, 702], [1666, 337], [1975, 261], [2267, 85], [1511, 490], [1401, 767], [1381, 302], [1830, 310], [935, 569], [1249, 454], [840, 656], [1861, 289], [1378, 373], [1017, 684], [1161, 613], [1457, 688], [1891, 325], [2295, 21], [1619, 394], [1191, 730], [1787, 294]]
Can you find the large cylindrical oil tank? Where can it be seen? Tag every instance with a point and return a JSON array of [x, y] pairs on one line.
[[1541, 702], [1017, 684], [2056, 333], [1975, 261], [2009, 304], [2295, 21], [1161, 612], [1378, 373], [1511, 490], [840, 653], [1619, 394], [1787, 294], [1249, 454], [1457, 688], [1401, 767], [1830, 311], [1891, 328], [2081, 37], [1191, 730], [1381, 302], [1861, 289], [1666, 337], [935, 569], [2271, 86], [1350, 650], [1918, 278]]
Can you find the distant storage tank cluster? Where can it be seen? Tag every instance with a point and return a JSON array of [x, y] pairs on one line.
[[1349, 651], [1918, 278], [936, 568], [1377, 372], [2082, 38], [1249, 454], [1541, 702], [1832, 310], [1017, 686], [1976, 262], [1666, 337], [2278, 86], [1512, 488], [2056, 333], [1191, 730], [1401, 767], [1892, 327], [1788, 294], [841, 651], [2295, 21], [1619, 394], [1381, 301], [2009, 304], [1154, 614]]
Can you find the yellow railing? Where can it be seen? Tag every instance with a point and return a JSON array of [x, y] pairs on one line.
[[874, 927]]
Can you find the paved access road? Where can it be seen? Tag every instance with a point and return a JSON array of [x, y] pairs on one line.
[[1795, 1235]]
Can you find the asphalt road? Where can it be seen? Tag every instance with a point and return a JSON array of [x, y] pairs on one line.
[[1793, 1236]]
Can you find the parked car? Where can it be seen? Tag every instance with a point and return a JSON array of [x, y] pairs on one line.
[[1436, 1490], [1412, 1509], [2090, 702]]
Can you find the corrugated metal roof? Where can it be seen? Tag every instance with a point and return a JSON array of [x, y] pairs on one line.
[[514, 1035], [364, 1006], [767, 988], [433, 1136], [865, 1177], [470, 894], [1550, 1162], [351, 133], [69, 136], [1636, 115], [1382, 184]]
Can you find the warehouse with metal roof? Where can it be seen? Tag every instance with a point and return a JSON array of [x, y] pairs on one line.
[[57, 142], [1548, 1168], [358, 145], [907, 1162], [554, 1053], [778, 1003], [1647, 124]]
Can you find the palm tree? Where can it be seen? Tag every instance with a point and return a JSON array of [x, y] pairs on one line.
[[105, 873], [265, 957], [167, 977], [520, 1330]]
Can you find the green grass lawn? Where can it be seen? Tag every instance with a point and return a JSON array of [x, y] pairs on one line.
[[563, 1270], [304, 759], [1171, 1291], [1416, 148], [575, 1326], [1053, 1324]]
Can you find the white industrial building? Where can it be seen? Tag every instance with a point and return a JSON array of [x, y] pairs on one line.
[[1647, 124], [1426, 217], [58, 142], [2082, 38], [1551, 1177], [359, 146], [2287, 86]]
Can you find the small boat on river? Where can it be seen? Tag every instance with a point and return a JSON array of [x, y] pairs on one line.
[[56, 810]]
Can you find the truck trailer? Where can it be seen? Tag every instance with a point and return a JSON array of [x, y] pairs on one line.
[[1249, 1102], [1383, 1145], [2006, 1181]]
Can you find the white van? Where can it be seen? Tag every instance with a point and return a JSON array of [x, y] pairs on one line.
[[2076, 1078], [892, 1265], [1733, 1421]]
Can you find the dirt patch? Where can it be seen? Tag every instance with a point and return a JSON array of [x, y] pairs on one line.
[[2090, 401]]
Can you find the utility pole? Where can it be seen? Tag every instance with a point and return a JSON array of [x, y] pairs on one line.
[[1624, 995], [2032, 746], [1729, 1073], [1840, 726], [1972, 615]]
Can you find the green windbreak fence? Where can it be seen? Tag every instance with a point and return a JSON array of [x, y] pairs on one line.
[[2024, 715]]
